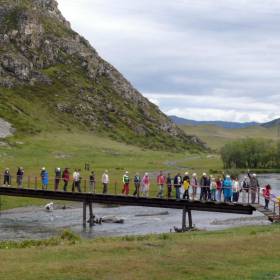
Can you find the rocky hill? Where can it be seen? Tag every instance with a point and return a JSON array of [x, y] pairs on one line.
[[51, 78]]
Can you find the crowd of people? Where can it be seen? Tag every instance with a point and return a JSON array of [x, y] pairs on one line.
[[206, 188]]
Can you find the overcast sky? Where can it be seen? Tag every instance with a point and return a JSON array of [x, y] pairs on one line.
[[198, 59]]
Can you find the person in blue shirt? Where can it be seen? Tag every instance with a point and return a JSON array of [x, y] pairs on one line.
[[227, 188]]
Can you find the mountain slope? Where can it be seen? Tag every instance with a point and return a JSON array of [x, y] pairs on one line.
[[52, 79], [223, 124], [216, 137], [271, 124]]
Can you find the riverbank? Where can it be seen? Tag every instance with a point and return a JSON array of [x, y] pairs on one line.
[[242, 253], [36, 223]]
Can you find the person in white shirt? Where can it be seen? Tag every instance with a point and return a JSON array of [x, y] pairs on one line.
[[105, 181], [235, 190], [76, 180]]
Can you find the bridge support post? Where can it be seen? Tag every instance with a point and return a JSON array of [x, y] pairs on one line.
[[91, 216], [184, 219], [84, 214], [190, 219]]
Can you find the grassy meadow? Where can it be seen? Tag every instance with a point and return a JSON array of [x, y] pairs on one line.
[[216, 137], [73, 150], [243, 253]]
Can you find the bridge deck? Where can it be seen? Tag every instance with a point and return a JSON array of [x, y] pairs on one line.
[[130, 200]]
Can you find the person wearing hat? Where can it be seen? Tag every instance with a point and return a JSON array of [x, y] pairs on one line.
[[194, 185], [126, 180], [7, 177], [105, 181], [145, 185], [44, 178], [253, 186], [57, 178], [160, 183], [203, 186], [186, 185]]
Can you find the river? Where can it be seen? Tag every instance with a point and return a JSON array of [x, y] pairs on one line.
[[36, 223]]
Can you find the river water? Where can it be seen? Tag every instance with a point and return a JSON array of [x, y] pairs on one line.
[[36, 223]]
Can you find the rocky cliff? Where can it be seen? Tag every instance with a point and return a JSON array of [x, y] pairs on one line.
[[51, 78]]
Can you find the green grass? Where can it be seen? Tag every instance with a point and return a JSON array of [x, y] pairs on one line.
[[250, 253], [74, 149], [216, 137]]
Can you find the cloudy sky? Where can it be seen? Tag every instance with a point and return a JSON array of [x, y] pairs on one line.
[[198, 59]]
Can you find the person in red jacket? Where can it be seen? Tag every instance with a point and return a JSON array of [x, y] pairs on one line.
[[160, 183], [66, 178], [266, 194]]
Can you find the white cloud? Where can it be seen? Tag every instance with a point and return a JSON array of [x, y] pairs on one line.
[[224, 55]]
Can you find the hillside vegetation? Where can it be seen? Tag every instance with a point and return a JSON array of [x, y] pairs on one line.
[[216, 137], [74, 149], [52, 79]]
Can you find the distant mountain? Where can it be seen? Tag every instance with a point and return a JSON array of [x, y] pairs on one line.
[[273, 123], [223, 124]]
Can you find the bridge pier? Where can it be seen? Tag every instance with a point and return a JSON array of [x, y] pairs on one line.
[[84, 214], [184, 219], [91, 215]]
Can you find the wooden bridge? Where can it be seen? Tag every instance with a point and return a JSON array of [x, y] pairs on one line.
[[187, 206]]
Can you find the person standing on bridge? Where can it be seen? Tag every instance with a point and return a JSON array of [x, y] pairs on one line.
[[57, 178], [126, 181], [145, 185], [92, 182], [245, 188], [137, 183], [105, 181], [20, 173], [203, 186], [235, 190], [194, 184], [66, 178], [219, 189], [266, 194], [169, 185], [227, 187], [76, 180], [186, 185], [178, 184], [7, 177], [253, 186], [213, 187], [160, 183], [44, 178]]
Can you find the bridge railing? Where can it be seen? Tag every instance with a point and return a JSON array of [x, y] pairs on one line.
[[115, 187]]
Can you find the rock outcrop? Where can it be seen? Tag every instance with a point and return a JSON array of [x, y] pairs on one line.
[[41, 55], [5, 129]]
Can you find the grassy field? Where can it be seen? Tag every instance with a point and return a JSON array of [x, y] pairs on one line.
[[215, 137], [244, 253], [73, 150]]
